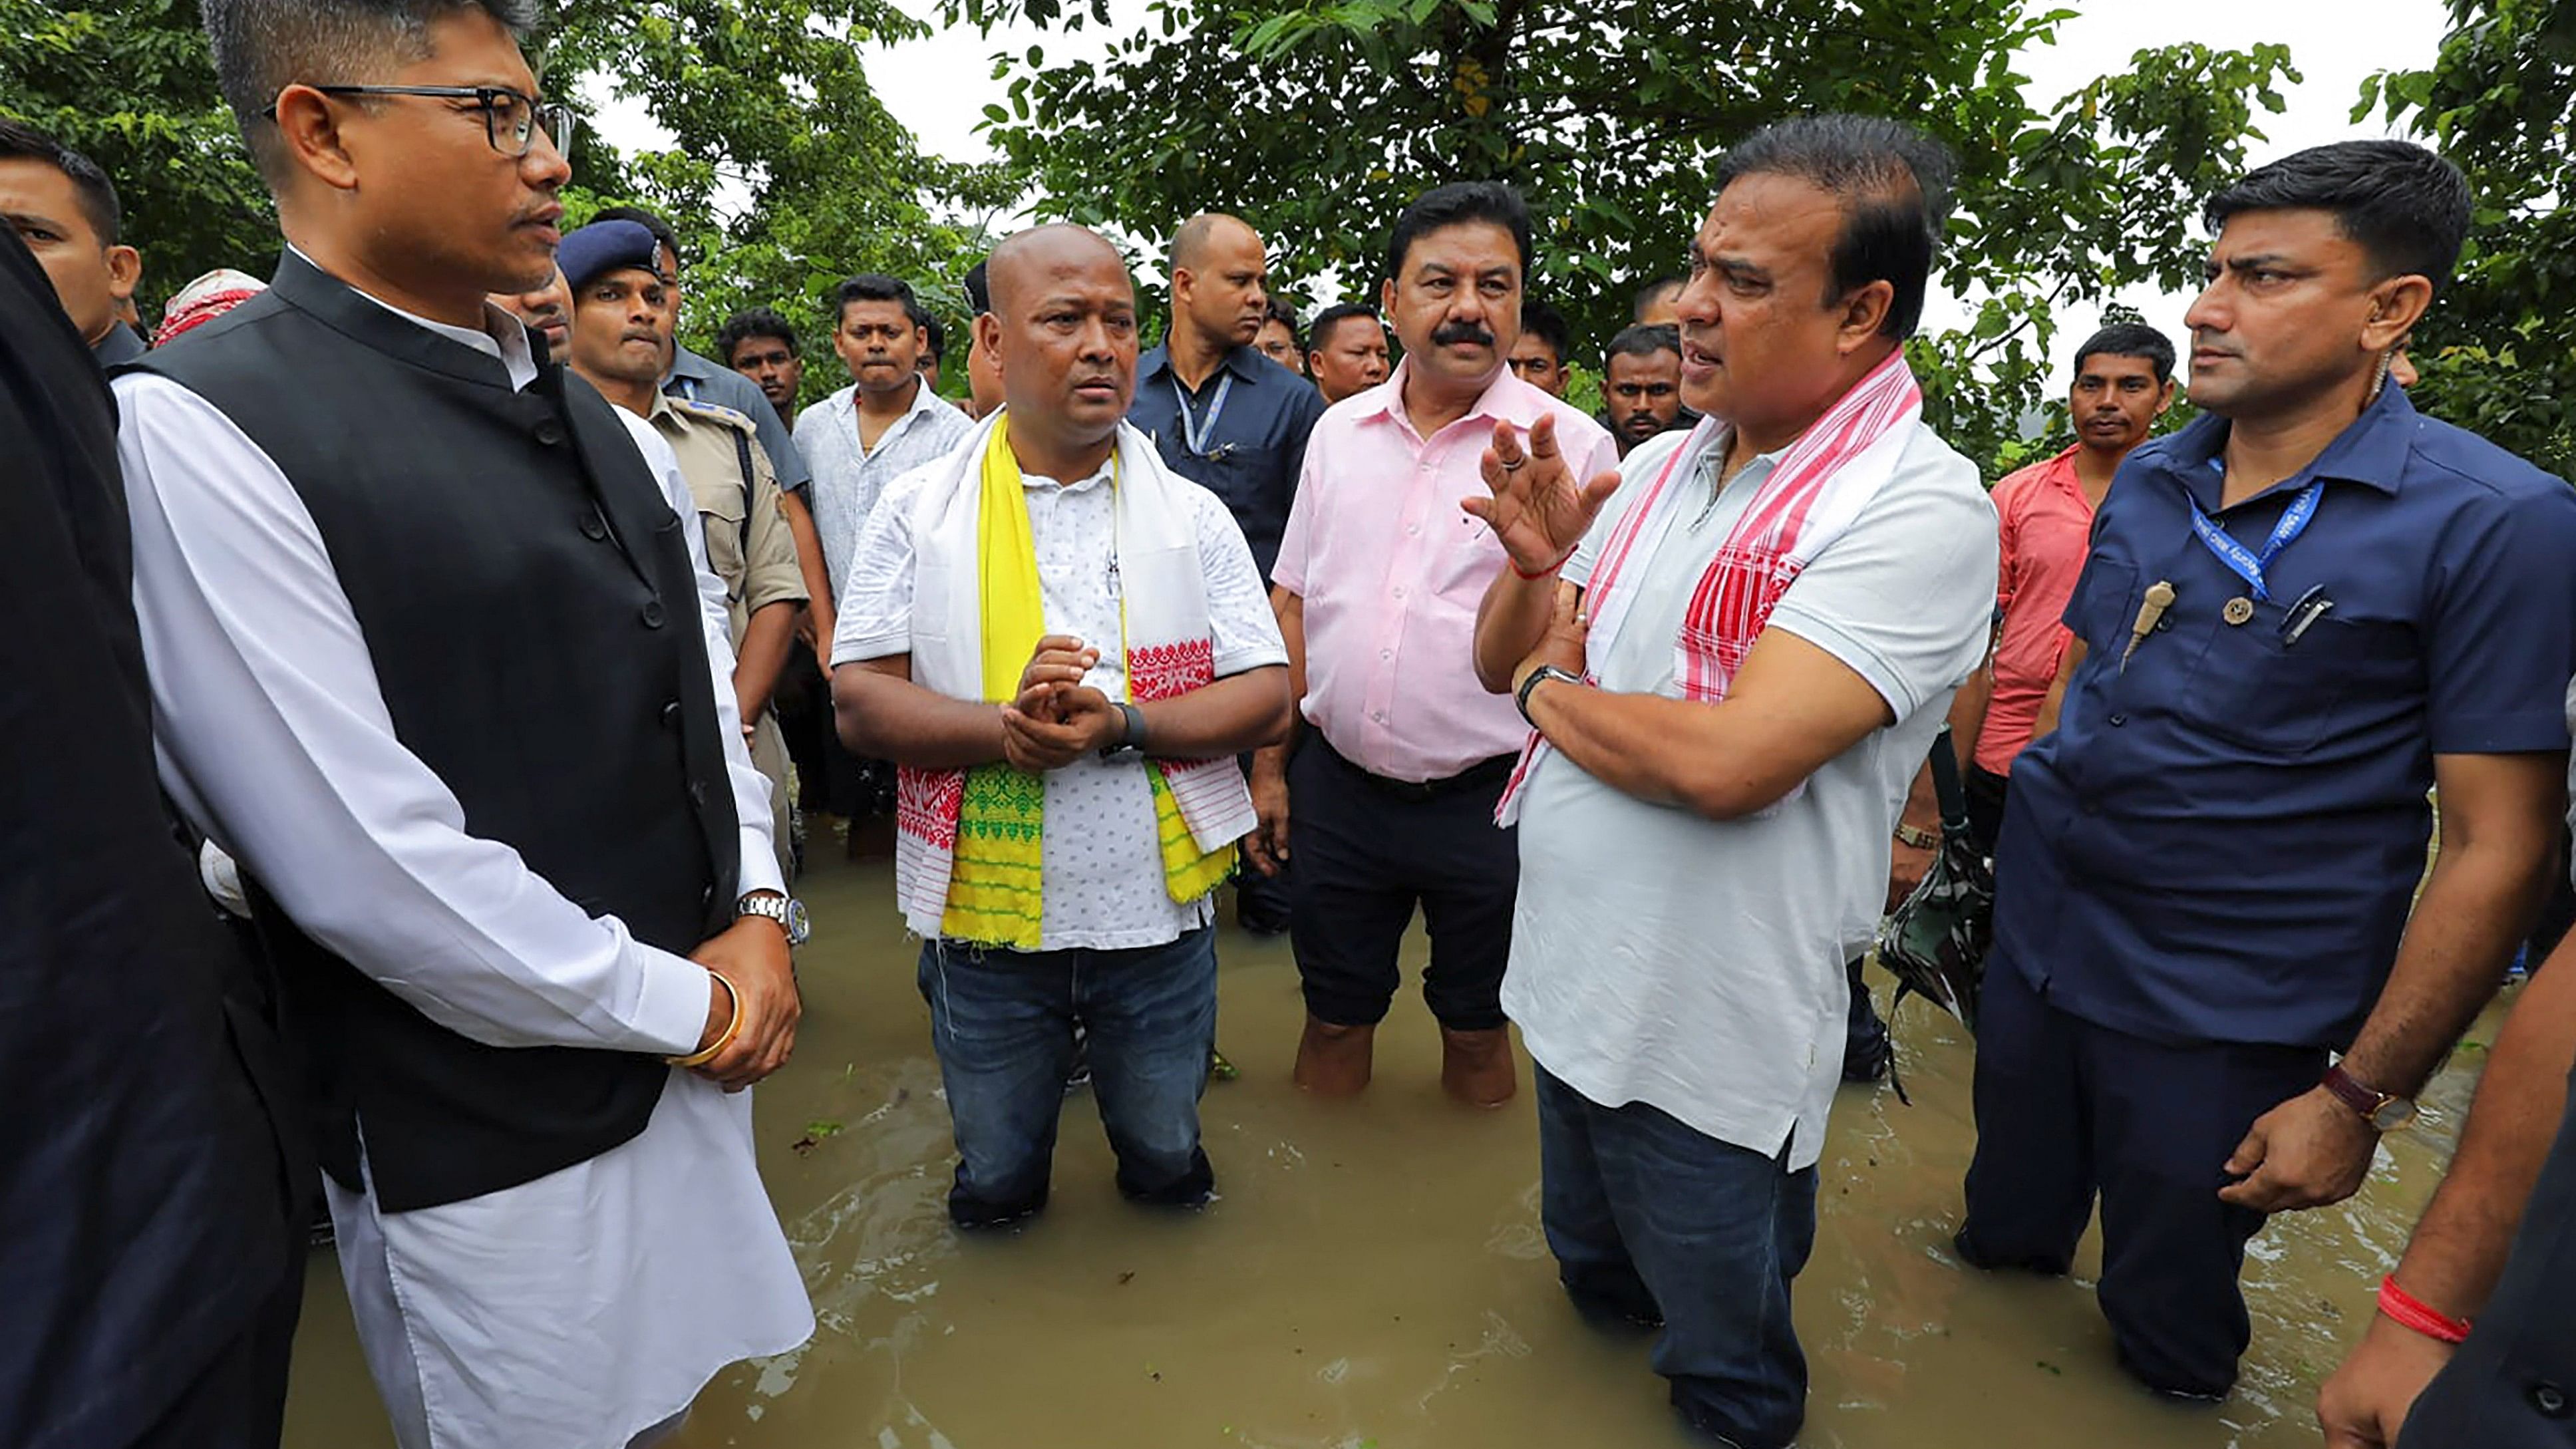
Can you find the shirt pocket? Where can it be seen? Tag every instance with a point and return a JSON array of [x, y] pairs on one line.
[[2105, 602], [2257, 691], [721, 516]]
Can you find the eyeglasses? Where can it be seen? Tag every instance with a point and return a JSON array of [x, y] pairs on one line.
[[511, 121]]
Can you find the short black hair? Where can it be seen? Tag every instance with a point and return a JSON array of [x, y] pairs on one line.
[[934, 338], [1280, 312], [2405, 206], [1642, 340], [753, 322], [1647, 294], [1548, 325], [650, 221], [1457, 202], [979, 291], [1894, 185], [263, 46], [97, 194], [877, 287], [2130, 339], [1319, 333]]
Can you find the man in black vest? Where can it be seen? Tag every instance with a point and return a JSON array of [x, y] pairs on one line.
[[149, 1252], [437, 658]]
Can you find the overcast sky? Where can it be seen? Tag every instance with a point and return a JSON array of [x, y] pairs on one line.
[[938, 87]]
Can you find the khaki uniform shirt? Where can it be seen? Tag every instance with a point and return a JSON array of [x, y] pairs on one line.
[[748, 542]]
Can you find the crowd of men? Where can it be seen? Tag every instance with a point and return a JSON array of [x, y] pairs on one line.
[[403, 762]]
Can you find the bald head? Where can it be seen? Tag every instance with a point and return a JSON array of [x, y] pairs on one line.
[[1220, 282], [1026, 262]]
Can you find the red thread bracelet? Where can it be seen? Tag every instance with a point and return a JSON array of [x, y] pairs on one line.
[[1542, 573], [2412, 1312]]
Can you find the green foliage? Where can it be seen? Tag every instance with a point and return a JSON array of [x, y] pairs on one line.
[[1319, 119], [2498, 350], [784, 173]]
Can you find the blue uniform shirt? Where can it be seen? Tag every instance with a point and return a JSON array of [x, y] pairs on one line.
[[1250, 450], [2221, 841]]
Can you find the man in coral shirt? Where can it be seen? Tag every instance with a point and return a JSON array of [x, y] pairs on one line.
[[2123, 383]]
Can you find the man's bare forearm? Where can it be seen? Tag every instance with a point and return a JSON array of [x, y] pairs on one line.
[[1967, 717], [2480, 899], [2459, 1249], [819, 603], [1237, 713], [1664, 751], [763, 655], [1509, 623], [1291, 611], [879, 711]]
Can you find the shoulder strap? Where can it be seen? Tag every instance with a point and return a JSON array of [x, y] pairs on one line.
[[742, 456], [1946, 786]]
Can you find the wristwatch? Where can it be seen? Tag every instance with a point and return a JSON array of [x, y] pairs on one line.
[[787, 911], [1916, 836], [2384, 1111], [1131, 733], [1530, 681]]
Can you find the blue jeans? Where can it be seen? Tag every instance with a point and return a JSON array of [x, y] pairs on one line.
[[1003, 1024], [1656, 1223]]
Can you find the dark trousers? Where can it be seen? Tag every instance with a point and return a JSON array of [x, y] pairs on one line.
[[1985, 791], [2067, 1110], [1003, 1023], [1652, 1222], [1261, 902], [239, 1401], [1367, 853], [803, 703]]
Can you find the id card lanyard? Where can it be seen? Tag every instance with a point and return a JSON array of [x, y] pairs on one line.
[[1194, 431], [2244, 562]]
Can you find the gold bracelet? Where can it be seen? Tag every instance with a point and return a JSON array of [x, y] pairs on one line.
[[1916, 836], [732, 1025]]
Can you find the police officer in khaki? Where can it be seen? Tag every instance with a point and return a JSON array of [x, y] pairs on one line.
[[622, 321]]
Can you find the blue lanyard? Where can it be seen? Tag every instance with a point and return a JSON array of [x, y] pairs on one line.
[[2248, 564], [1195, 432]]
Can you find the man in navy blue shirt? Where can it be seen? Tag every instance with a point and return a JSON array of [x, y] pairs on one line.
[[2299, 613], [1229, 419]]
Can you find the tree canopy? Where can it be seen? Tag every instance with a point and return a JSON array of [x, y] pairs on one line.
[[1318, 122]]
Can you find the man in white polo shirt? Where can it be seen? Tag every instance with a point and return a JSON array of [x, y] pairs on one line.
[[1732, 679]]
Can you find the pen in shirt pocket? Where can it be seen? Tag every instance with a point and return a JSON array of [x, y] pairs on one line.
[[2311, 607]]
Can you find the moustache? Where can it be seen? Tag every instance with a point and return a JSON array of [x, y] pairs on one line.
[[1452, 332]]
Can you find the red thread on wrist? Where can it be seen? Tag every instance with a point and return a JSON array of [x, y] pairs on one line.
[[1528, 577], [2412, 1312]]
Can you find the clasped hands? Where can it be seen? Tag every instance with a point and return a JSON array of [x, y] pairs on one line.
[[1056, 718], [1539, 511]]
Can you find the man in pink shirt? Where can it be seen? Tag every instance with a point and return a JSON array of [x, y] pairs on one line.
[[2123, 383], [1399, 754]]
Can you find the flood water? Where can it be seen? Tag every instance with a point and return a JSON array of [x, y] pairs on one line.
[[1373, 1276]]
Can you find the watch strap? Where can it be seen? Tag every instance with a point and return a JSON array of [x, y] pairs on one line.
[[2363, 1099], [1531, 681]]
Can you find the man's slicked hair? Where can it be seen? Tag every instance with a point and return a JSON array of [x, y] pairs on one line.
[[753, 322], [97, 194], [877, 287], [2403, 205], [2130, 339], [1894, 186], [1453, 204], [1319, 333], [1548, 325], [1286, 316], [1643, 340], [263, 46]]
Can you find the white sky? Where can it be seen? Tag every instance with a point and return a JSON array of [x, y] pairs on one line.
[[938, 87]]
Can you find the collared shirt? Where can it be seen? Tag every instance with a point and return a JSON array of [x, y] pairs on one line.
[[1101, 863], [700, 380], [1249, 449], [2046, 522], [2221, 841], [119, 344], [1697, 965], [275, 739], [1391, 571], [849, 478], [749, 545]]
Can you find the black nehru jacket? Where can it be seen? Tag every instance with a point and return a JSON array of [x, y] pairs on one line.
[[528, 600], [147, 1178]]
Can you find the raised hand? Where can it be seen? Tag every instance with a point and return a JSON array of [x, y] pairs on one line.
[[1539, 509]]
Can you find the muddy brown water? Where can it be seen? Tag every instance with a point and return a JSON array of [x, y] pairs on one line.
[[1373, 1276]]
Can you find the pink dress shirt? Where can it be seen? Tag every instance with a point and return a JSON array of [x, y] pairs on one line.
[[1391, 570], [2047, 532]]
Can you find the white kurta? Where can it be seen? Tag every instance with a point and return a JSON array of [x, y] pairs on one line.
[[591, 1304]]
